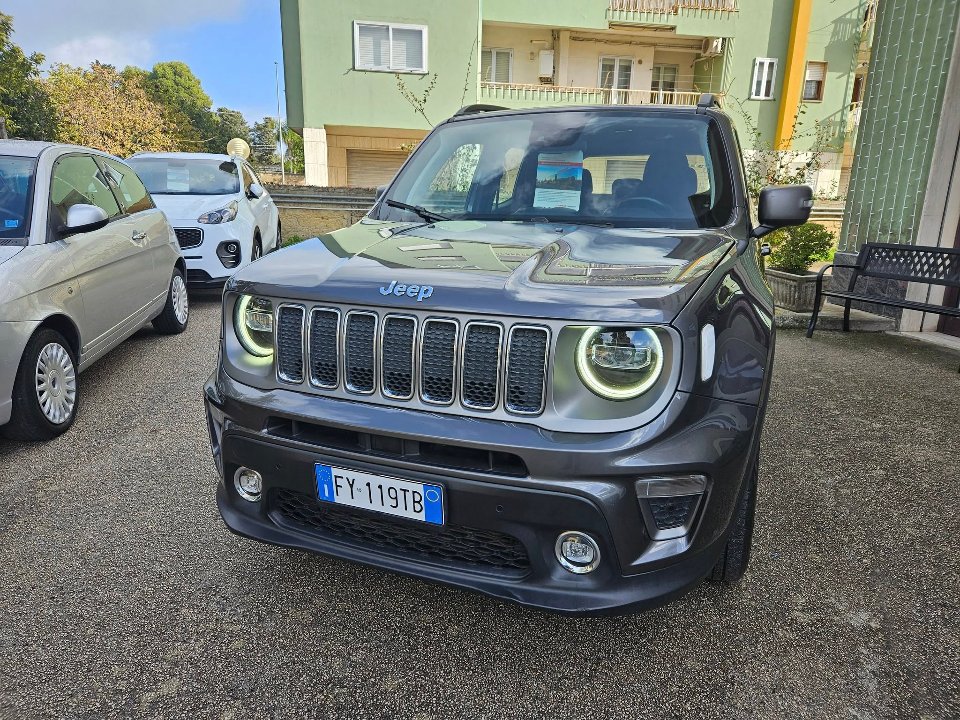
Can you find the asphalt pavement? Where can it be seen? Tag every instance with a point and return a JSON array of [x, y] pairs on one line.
[[123, 595]]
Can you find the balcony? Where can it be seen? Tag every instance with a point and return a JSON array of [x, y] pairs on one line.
[[668, 12], [518, 95]]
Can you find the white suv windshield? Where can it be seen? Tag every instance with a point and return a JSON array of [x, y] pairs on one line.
[[169, 176], [625, 168], [16, 181]]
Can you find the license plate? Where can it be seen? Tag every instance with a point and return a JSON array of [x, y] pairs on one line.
[[403, 498]]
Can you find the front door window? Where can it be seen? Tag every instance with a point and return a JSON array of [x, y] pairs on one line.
[[615, 73], [664, 80]]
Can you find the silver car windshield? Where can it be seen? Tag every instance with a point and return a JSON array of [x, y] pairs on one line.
[[612, 167], [169, 176], [16, 183]]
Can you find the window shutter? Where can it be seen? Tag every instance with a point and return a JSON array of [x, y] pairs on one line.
[[407, 49], [486, 62], [757, 77], [372, 44], [501, 70], [816, 72]]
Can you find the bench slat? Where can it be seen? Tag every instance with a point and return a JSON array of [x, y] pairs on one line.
[[906, 304], [911, 263]]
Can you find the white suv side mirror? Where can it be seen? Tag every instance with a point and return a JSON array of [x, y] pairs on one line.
[[257, 190]]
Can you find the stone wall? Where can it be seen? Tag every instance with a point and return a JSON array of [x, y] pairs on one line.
[[307, 211]]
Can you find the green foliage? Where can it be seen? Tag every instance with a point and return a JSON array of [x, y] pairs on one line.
[[24, 101], [229, 124], [264, 146], [293, 240], [795, 249]]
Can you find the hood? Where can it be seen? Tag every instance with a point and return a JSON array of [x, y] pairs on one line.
[[190, 207], [572, 272], [8, 251]]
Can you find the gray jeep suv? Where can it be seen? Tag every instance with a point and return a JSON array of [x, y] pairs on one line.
[[537, 369]]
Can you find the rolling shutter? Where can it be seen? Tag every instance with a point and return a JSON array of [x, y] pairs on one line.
[[370, 169], [373, 47]]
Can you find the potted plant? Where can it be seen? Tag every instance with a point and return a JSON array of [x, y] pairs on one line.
[[793, 251]]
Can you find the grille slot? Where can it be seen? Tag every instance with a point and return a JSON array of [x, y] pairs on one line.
[[526, 369], [481, 366], [189, 237], [438, 355], [324, 361], [359, 353], [396, 356], [482, 550], [290, 343]]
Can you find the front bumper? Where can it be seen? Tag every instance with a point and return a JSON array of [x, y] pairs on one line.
[[569, 482], [205, 270]]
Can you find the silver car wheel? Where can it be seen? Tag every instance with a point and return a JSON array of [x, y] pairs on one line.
[[178, 293], [56, 383]]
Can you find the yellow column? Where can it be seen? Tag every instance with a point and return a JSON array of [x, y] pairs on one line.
[[794, 71]]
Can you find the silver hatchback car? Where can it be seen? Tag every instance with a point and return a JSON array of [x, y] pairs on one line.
[[86, 259]]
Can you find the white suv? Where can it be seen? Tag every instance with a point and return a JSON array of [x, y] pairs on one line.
[[223, 216]]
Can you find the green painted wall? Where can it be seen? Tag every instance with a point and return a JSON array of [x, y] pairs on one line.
[[331, 92], [318, 37], [913, 42]]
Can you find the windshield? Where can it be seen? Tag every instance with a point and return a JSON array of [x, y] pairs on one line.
[[176, 176], [16, 180], [623, 168]]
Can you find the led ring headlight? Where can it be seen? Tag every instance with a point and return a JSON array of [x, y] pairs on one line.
[[619, 363], [253, 323]]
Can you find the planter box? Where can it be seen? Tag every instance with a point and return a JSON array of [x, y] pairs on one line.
[[792, 292]]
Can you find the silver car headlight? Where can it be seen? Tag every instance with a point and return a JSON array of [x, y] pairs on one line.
[[619, 363], [253, 324], [224, 214]]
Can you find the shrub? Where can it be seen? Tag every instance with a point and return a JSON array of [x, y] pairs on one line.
[[795, 249], [293, 240]]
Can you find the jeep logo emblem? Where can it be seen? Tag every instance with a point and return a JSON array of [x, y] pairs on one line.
[[420, 292]]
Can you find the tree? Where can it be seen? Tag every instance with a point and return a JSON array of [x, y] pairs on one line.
[[229, 124], [265, 146], [107, 110], [174, 86], [23, 98]]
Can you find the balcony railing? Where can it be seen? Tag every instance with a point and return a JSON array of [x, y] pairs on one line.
[[555, 95], [671, 6]]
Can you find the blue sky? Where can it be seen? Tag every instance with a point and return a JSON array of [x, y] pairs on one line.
[[231, 45]]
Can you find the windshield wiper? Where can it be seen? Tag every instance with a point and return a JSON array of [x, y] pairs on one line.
[[427, 215]]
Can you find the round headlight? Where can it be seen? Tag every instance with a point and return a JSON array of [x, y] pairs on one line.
[[619, 363], [253, 322]]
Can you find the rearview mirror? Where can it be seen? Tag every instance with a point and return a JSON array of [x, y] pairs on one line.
[[256, 190], [83, 218], [782, 206]]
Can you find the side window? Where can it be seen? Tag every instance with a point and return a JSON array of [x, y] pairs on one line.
[[77, 179], [134, 194]]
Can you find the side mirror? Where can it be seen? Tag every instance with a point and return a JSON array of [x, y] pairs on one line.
[[256, 190], [83, 218], [380, 192], [782, 206]]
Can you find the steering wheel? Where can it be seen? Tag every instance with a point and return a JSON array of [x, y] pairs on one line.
[[639, 203]]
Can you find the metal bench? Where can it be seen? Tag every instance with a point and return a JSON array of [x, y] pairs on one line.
[[907, 263]]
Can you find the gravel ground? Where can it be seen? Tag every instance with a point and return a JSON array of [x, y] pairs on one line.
[[122, 594]]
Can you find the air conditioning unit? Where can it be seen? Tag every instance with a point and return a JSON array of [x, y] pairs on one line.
[[711, 47], [546, 66]]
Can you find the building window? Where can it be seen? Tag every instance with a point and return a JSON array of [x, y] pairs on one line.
[[764, 75], [496, 65], [664, 78], [389, 47], [813, 81], [615, 72]]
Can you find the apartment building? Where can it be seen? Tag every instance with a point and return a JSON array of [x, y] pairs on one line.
[[366, 80]]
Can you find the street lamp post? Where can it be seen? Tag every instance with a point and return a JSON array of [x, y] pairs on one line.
[[283, 171]]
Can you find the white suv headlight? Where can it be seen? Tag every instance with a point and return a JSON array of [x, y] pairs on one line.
[[224, 214], [253, 324], [619, 363]]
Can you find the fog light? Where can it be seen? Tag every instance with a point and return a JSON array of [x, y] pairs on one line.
[[249, 484], [577, 552]]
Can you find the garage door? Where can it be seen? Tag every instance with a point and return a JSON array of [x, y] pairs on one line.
[[369, 169]]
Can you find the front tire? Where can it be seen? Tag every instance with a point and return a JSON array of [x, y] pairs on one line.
[[176, 312], [45, 390], [736, 555], [257, 251]]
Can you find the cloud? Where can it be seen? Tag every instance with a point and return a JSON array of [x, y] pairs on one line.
[[111, 50], [115, 32]]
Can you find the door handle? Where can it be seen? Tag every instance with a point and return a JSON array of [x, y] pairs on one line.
[[138, 236]]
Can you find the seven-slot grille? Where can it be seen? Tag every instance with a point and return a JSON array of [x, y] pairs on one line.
[[189, 237], [482, 364]]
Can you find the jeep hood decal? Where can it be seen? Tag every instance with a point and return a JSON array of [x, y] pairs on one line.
[[524, 269]]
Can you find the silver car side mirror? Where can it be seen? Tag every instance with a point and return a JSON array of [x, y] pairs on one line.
[[83, 218], [256, 190]]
